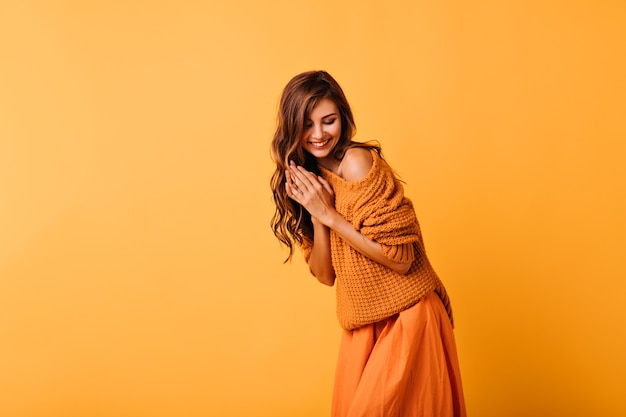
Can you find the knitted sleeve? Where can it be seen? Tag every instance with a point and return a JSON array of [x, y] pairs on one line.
[[382, 213], [399, 253]]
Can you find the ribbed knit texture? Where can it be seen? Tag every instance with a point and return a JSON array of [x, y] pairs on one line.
[[367, 291]]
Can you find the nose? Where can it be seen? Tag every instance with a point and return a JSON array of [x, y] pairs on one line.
[[317, 132]]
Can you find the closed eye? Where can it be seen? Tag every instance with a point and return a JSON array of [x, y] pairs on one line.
[[326, 122]]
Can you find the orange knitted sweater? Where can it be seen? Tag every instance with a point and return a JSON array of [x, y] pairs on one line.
[[367, 291]]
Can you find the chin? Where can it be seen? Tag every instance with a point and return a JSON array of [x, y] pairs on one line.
[[319, 154]]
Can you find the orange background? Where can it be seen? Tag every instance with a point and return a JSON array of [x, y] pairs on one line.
[[138, 273]]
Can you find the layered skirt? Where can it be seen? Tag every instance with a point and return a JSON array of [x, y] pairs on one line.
[[404, 366]]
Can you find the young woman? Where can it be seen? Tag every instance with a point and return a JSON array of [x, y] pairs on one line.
[[340, 202]]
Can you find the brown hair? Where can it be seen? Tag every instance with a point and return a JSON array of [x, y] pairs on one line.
[[291, 223]]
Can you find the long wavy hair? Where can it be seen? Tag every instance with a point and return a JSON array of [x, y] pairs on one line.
[[291, 223]]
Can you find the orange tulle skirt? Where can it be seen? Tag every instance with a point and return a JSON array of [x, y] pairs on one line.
[[404, 366]]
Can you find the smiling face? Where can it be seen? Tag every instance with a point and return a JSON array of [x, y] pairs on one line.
[[322, 131]]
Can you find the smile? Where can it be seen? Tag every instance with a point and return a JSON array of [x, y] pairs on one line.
[[320, 144]]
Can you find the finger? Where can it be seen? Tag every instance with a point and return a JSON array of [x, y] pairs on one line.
[[325, 184], [300, 179], [290, 184], [291, 180], [308, 175], [308, 179], [291, 192]]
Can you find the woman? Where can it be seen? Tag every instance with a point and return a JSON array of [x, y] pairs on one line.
[[339, 201]]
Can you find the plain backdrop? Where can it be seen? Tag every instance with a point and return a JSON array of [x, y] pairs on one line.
[[138, 272]]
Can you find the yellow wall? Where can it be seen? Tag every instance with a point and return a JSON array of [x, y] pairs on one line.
[[138, 273]]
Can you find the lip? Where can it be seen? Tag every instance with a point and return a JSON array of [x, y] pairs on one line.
[[321, 144]]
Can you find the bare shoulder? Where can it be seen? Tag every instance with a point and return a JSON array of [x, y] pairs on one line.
[[356, 164]]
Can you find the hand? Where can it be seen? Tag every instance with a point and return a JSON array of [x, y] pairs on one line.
[[311, 191]]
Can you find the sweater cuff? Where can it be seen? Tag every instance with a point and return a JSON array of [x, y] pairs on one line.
[[399, 253]]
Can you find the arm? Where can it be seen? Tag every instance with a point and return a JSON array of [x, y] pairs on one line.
[[308, 190], [320, 261], [367, 247]]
